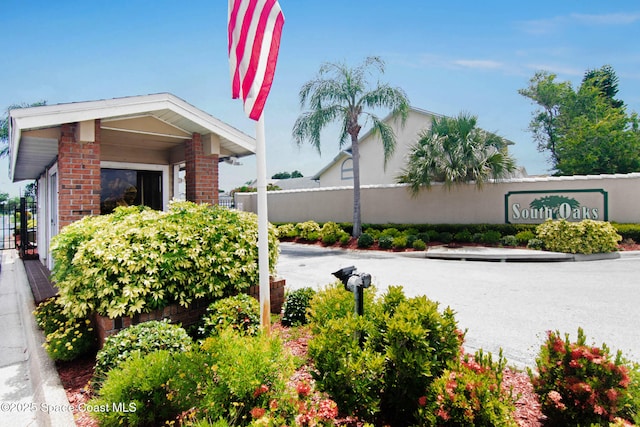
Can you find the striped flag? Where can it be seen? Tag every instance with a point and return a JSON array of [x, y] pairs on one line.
[[255, 27]]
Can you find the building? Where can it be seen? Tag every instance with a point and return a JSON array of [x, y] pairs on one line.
[[373, 171], [89, 157]]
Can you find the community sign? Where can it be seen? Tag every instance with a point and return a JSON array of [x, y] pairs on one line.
[[533, 207]]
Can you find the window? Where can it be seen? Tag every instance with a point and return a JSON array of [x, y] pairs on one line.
[[126, 187], [346, 170]]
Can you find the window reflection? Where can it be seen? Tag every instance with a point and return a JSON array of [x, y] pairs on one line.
[[119, 188]]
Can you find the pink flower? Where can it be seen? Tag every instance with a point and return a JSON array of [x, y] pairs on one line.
[[260, 390], [442, 414], [258, 412], [422, 400], [303, 388], [328, 409], [556, 398]]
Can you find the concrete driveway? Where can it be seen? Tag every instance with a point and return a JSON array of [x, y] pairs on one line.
[[506, 305]]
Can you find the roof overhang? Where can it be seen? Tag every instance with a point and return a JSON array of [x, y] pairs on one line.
[[162, 119]]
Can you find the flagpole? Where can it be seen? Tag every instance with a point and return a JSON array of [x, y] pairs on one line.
[[263, 228]]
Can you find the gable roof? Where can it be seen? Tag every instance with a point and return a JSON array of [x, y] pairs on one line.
[[31, 152], [346, 152]]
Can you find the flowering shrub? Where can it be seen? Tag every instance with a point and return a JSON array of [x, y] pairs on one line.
[[468, 393], [240, 312], [309, 230], [138, 259], [66, 338], [139, 339], [580, 384], [584, 237]]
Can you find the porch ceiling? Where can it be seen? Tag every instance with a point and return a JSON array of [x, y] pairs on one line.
[[159, 122]]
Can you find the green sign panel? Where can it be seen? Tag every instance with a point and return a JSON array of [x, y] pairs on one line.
[[532, 207]]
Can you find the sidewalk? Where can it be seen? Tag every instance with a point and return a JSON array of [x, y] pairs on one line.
[[30, 390]]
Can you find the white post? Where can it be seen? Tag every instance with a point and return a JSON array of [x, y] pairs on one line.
[[263, 228]]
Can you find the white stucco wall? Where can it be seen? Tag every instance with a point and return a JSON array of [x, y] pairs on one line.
[[464, 204], [372, 170]]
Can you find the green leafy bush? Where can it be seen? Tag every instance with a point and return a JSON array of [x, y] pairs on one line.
[[469, 393], [308, 230], [628, 231], [49, 315], [399, 242], [373, 232], [419, 245], [138, 259], [579, 384], [509, 240], [365, 240], [331, 233], [424, 236], [288, 231], [296, 303], [139, 385], [385, 242], [535, 244], [444, 237], [239, 312], [245, 372], [391, 232], [584, 237], [66, 338], [139, 339], [491, 237], [379, 364], [463, 236], [523, 237], [71, 340]]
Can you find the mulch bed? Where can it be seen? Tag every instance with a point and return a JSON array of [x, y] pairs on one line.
[[75, 377]]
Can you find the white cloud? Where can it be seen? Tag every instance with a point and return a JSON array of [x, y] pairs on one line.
[[484, 64], [551, 25], [606, 19]]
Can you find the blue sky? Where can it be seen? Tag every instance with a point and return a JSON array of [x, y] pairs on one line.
[[448, 57]]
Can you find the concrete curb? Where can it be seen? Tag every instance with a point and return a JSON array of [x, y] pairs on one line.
[[48, 394], [479, 253]]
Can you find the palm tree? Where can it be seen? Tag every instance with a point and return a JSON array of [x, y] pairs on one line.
[[342, 94], [455, 151]]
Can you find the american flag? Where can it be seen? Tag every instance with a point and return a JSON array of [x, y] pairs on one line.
[[255, 27]]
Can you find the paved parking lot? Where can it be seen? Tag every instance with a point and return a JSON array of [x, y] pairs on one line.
[[506, 305]]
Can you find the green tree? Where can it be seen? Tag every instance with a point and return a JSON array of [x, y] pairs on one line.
[[456, 151], [549, 95], [343, 94], [287, 175], [586, 130], [4, 125]]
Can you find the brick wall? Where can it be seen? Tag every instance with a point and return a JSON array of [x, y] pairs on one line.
[[201, 172], [177, 314], [78, 176]]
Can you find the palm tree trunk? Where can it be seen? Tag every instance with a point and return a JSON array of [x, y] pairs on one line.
[[355, 157]]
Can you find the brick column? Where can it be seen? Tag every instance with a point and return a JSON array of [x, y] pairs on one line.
[[201, 172], [78, 175]]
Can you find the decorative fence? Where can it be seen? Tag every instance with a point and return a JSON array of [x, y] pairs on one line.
[[18, 228]]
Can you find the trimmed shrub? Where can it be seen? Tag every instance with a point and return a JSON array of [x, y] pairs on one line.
[[331, 232], [365, 240], [240, 312], [294, 309], [399, 242], [580, 384], [288, 231], [376, 366], [139, 339], [385, 242], [308, 230], [49, 316], [523, 237], [424, 236], [509, 241], [584, 237], [419, 245], [138, 259], [463, 236], [535, 244], [391, 232], [444, 237], [139, 384], [491, 237]]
